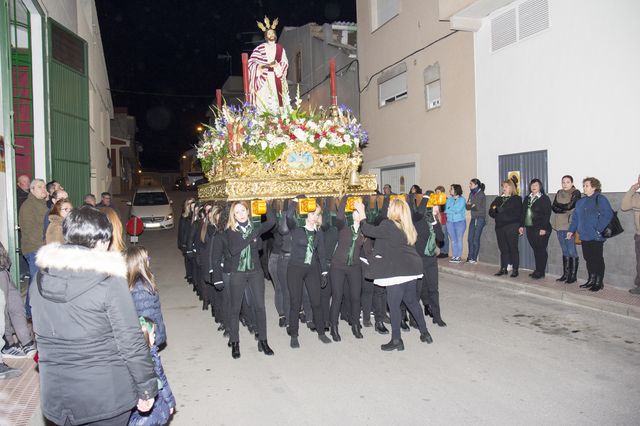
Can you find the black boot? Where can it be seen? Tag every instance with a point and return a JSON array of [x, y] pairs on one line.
[[323, 338], [334, 333], [565, 268], [355, 329], [597, 284], [426, 337], [393, 345], [404, 326], [235, 350], [590, 282], [514, 273], [502, 271], [263, 346], [438, 321], [294, 342], [380, 328], [573, 270]]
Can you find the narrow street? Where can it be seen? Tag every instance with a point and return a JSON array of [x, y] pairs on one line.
[[505, 358]]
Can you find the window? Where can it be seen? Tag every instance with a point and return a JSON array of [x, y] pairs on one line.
[[432, 86], [382, 11], [392, 85], [151, 199]]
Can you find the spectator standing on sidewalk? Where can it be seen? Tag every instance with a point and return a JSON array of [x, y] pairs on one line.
[[441, 217], [6, 372], [22, 189], [13, 314], [30, 218], [456, 222], [536, 215], [592, 215], [52, 187], [563, 205], [94, 364], [105, 200], [506, 209], [57, 196], [631, 202], [477, 205], [90, 200]]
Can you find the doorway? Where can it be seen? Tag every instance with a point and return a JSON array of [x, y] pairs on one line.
[[401, 178], [526, 166]]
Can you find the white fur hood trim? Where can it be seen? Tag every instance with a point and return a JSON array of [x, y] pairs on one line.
[[76, 258]]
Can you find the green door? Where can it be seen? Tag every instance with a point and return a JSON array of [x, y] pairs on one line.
[[69, 111]]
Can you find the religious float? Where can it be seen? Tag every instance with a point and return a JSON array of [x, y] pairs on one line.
[[268, 149]]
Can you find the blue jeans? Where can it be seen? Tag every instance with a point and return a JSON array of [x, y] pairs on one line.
[[445, 246], [568, 246], [456, 232], [33, 270], [475, 231]]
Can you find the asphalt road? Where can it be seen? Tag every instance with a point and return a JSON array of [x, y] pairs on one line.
[[505, 358]]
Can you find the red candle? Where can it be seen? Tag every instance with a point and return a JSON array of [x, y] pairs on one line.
[[245, 75], [332, 75], [219, 99]]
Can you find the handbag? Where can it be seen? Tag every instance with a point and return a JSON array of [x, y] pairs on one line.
[[614, 227], [577, 239]]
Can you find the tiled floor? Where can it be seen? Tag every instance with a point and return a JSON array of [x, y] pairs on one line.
[[19, 397]]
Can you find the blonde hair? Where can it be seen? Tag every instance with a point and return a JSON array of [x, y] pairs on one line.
[[117, 239], [214, 215], [511, 184], [231, 222], [186, 207], [400, 215], [137, 259]]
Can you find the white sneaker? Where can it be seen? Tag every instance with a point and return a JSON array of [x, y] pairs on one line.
[[471, 261]]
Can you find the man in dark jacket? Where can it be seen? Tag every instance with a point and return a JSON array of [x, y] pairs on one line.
[[22, 189], [94, 363]]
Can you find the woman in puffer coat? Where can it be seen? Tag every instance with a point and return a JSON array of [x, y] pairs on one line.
[[144, 291], [93, 361]]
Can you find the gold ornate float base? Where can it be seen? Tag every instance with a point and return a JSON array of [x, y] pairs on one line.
[[234, 189]]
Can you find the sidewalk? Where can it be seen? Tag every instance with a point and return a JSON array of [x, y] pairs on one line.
[[20, 397], [610, 299]]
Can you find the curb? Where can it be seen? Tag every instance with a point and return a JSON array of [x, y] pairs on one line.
[[562, 296]]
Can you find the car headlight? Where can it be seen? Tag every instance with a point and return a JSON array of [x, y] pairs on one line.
[[169, 217]]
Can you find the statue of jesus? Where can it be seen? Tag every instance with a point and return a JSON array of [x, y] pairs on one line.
[[268, 89]]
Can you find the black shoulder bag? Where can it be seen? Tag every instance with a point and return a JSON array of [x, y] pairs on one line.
[[614, 227]]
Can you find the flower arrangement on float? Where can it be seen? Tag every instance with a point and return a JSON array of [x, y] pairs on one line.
[[267, 134]]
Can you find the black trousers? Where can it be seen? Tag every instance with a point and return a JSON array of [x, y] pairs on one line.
[[507, 237], [375, 297], [351, 277], [254, 282], [427, 286], [407, 293], [309, 277], [539, 245], [593, 256]]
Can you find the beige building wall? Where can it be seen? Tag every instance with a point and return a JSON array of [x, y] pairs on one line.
[[441, 141]]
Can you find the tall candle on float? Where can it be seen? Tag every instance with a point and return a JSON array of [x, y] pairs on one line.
[[219, 99], [332, 77], [245, 75]]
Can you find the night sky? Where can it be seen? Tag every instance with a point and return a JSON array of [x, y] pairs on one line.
[[171, 47]]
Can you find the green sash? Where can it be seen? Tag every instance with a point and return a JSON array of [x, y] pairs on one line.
[[354, 237], [308, 256], [246, 261], [430, 247]]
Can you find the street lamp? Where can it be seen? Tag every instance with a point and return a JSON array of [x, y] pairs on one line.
[[199, 129]]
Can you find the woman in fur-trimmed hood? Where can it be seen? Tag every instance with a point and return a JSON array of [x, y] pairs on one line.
[[94, 363]]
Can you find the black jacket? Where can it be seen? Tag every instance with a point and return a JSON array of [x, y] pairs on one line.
[[421, 222], [558, 207], [392, 256], [183, 232], [506, 212], [299, 242], [233, 244], [94, 363], [345, 239], [541, 212]]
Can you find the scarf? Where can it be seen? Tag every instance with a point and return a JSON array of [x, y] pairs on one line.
[[246, 260], [528, 218], [308, 256], [352, 247], [430, 247]]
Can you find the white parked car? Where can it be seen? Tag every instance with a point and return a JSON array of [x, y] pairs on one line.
[[153, 206]]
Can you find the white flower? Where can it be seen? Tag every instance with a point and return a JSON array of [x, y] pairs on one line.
[[323, 142], [300, 134], [263, 144]]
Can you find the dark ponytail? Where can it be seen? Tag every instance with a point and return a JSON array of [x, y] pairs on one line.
[[477, 182]]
